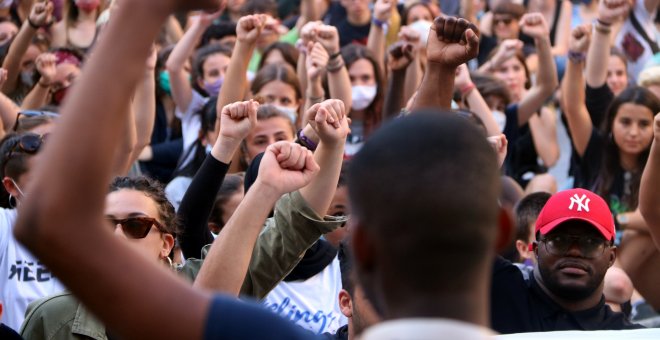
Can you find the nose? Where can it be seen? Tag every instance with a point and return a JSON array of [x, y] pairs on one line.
[[574, 250], [634, 130]]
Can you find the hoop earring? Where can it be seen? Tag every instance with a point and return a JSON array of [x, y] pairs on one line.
[[12, 205], [168, 262]]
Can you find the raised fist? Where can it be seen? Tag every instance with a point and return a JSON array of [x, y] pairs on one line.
[[507, 50], [286, 167], [41, 13], [329, 121], [46, 66], [611, 11], [400, 55], [249, 27], [580, 39], [534, 25], [237, 119], [328, 37], [452, 42], [383, 9], [317, 60]]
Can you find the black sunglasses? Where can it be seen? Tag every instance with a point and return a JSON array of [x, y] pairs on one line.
[[33, 113], [29, 143], [506, 21], [137, 227]]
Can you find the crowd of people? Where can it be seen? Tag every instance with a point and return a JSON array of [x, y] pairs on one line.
[[328, 169]]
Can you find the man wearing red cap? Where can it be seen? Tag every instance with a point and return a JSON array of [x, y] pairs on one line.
[[573, 249]]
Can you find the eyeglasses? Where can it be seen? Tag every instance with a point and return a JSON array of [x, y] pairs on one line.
[[506, 21], [590, 247], [28, 143], [137, 227], [33, 113]]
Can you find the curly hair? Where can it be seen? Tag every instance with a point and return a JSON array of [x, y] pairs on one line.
[[154, 190]]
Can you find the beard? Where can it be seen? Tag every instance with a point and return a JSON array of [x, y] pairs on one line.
[[570, 292]]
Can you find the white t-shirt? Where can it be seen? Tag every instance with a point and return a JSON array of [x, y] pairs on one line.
[[191, 122], [23, 278], [312, 304], [176, 189], [631, 43]]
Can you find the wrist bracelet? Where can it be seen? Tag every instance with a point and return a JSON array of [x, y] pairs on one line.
[[382, 24], [577, 57], [335, 65], [43, 85], [465, 90], [601, 22], [314, 99], [334, 56], [306, 142]]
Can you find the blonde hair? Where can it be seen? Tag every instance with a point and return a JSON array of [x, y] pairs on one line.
[[649, 76]]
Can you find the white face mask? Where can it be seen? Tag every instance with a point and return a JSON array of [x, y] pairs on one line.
[[363, 96], [500, 118], [209, 147], [291, 112]]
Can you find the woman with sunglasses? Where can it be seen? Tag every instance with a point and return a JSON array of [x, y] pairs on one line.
[[23, 277]]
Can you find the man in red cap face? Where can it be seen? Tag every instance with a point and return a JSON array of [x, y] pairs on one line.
[[573, 249]]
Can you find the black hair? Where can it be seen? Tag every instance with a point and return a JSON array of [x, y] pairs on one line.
[[13, 167], [217, 31], [346, 268], [260, 7], [527, 211], [197, 149], [154, 190], [489, 85], [277, 72], [230, 185], [611, 164], [432, 203], [201, 56]]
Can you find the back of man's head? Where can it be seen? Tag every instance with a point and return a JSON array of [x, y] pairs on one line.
[[424, 191]]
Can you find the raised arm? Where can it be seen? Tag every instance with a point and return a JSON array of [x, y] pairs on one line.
[[248, 30], [451, 42], [8, 109], [54, 227], [316, 61], [563, 28], [179, 78], [196, 206], [649, 189], [535, 26], [379, 23], [144, 107], [475, 101], [575, 111], [400, 56], [339, 83], [40, 93], [40, 15], [285, 167], [609, 13]]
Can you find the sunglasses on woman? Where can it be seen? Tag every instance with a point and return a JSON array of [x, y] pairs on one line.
[[33, 113], [137, 227], [505, 21], [29, 143]]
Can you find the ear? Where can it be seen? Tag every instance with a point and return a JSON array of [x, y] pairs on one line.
[[200, 82], [523, 249], [214, 228], [345, 303], [506, 230], [10, 186], [168, 244], [613, 253], [362, 247], [535, 249]]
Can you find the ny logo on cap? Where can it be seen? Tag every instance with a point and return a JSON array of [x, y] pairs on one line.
[[576, 200]]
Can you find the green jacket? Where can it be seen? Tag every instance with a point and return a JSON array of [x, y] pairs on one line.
[[286, 236]]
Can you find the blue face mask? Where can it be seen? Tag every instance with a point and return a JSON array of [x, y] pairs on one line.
[[164, 82], [213, 89]]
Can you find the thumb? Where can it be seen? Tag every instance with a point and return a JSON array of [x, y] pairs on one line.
[[472, 41], [321, 116]]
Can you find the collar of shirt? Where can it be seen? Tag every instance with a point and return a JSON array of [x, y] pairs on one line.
[[422, 329]]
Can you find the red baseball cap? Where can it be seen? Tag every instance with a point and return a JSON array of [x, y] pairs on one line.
[[576, 204]]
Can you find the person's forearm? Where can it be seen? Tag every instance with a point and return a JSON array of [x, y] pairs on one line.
[[437, 87], [598, 56], [38, 97], [479, 106], [649, 192], [339, 86], [376, 44], [315, 94], [651, 5], [236, 76], [308, 12], [546, 77], [226, 264], [197, 204], [78, 172], [174, 30], [319, 193], [144, 109], [179, 81], [544, 137], [16, 51], [563, 31], [8, 112], [467, 10], [574, 109], [128, 137], [394, 100], [414, 75]]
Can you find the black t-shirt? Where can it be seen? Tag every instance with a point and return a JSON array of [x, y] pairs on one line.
[[521, 306], [598, 100], [337, 16], [524, 158]]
